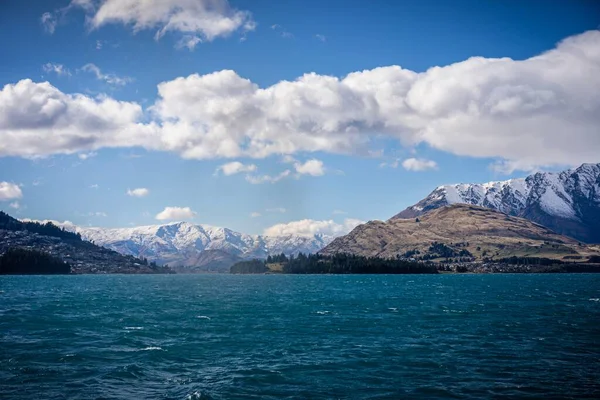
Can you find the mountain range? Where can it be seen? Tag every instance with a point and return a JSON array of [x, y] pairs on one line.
[[567, 202], [183, 244]]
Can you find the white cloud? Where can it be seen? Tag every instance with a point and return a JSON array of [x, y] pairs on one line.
[[38, 120], [339, 212], [111, 79], [15, 204], [58, 69], [320, 37], [138, 192], [49, 22], [258, 179], [255, 214], [276, 210], [235, 167], [188, 41], [310, 227], [10, 191], [282, 31], [312, 167], [175, 213], [540, 111], [204, 19], [418, 164], [393, 164], [85, 156], [94, 186]]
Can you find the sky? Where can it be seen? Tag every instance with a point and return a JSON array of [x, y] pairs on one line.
[[285, 117]]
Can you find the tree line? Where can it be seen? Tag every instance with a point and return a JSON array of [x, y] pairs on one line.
[[335, 264], [16, 261], [48, 229]]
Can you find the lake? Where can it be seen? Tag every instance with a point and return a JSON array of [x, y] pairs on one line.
[[294, 336]]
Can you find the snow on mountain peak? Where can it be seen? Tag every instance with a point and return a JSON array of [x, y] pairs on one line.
[[548, 198], [176, 242]]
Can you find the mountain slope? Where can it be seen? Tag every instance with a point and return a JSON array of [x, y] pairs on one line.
[[208, 261], [83, 256], [567, 202], [181, 243], [458, 230]]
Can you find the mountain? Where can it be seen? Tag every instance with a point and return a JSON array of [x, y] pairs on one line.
[[182, 243], [208, 261], [567, 202], [83, 256], [459, 231]]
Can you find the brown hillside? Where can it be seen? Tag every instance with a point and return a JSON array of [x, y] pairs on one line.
[[481, 231]]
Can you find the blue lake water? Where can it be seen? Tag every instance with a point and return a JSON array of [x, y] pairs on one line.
[[312, 337]]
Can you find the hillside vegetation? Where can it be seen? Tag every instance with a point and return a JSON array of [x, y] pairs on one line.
[[459, 233]]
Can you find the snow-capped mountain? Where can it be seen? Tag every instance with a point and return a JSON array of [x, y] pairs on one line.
[[567, 202], [180, 243]]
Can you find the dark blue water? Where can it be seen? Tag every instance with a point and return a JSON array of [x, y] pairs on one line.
[[313, 337]]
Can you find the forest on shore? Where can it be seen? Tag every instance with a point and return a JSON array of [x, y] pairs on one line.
[[336, 264], [16, 261]]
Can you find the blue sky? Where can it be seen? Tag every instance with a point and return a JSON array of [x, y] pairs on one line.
[[483, 91]]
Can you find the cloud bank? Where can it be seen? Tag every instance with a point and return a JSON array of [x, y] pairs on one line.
[[541, 111]]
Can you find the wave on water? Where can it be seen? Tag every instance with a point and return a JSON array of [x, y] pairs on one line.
[[595, 299], [133, 328], [198, 396], [203, 317], [152, 348]]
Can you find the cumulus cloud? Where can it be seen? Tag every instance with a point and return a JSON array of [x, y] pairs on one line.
[[235, 167], [418, 164], [175, 213], [312, 167], [138, 192], [38, 120], [320, 37], [255, 214], [201, 20], [111, 79], [58, 69], [15, 204], [540, 111], [311, 227], [10, 191]]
